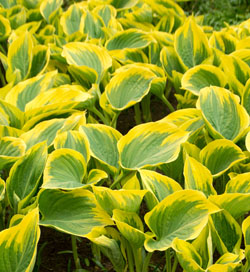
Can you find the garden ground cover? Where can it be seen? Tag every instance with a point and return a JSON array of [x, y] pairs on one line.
[[124, 138]]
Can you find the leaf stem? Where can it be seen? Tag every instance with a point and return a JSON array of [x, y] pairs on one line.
[[168, 260], [137, 114], [99, 114], [175, 263], [75, 254], [167, 103], [146, 262]]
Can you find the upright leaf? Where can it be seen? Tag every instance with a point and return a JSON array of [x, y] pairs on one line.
[[65, 169], [221, 110], [18, 244], [23, 179], [103, 143], [191, 44], [198, 177], [20, 57]]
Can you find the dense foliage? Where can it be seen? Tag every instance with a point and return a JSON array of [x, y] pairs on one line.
[[180, 185]]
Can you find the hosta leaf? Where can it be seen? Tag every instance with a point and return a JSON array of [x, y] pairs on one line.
[[171, 61], [247, 141], [239, 184], [227, 232], [110, 246], [27, 90], [198, 177], [246, 233], [44, 131], [236, 70], [65, 169], [246, 96], [182, 214], [5, 28], [93, 25], [130, 226], [227, 263], [221, 110], [128, 87], [219, 155], [96, 175], [2, 189], [86, 54], [191, 44], [119, 4], [204, 246], [125, 200], [20, 56], [103, 143], [74, 140], [130, 38], [83, 75], [23, 179], [246, 230], [237, 204], [11, 149], [62, 94], [49, 7], [71, 19], [223, 41], [188, 257], [150, 144], [202, 76], [75, 212], [18, 244], [182, 116], [158, 185], [40, 60], [106, 12], [243, 54]]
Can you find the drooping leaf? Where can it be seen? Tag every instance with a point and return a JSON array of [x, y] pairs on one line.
[[131, 38], [150, 144], [219, 155], [25, 91], [202, 76], [128, 87], [237, 204], [44, 131], [182, 215], [89, 55], [11, 149], [125, 200], [75, 212]]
